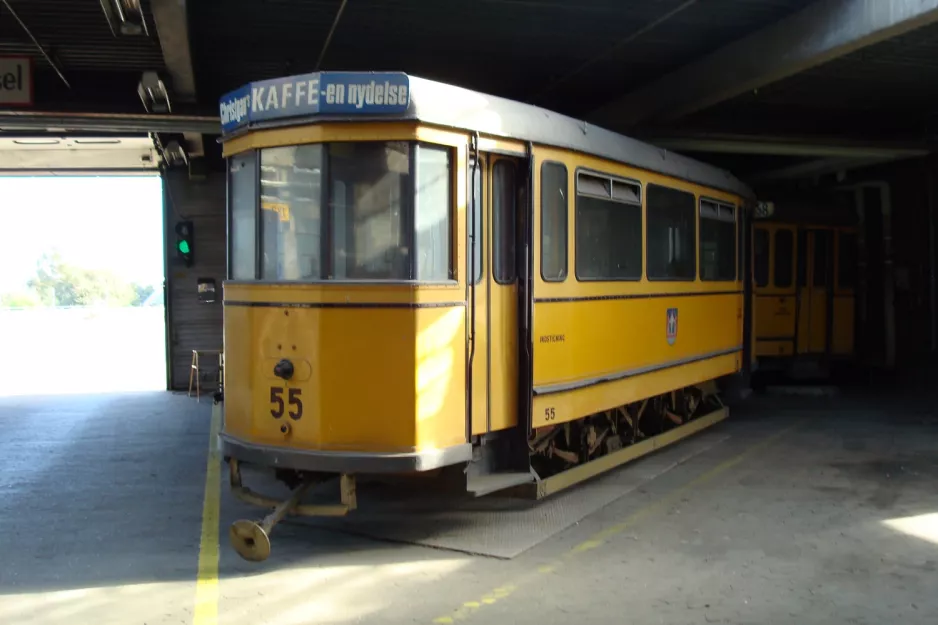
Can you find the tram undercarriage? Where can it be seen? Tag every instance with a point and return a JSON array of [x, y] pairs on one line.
[[557, 448]]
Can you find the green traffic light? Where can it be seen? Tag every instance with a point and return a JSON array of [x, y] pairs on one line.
[[184, 247]]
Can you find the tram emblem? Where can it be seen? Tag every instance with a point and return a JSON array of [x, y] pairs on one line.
[[672, 326]]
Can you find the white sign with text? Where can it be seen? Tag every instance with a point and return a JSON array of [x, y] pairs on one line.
[[16, 80]]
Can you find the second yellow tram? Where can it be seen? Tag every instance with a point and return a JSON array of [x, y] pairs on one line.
[[804, 277]]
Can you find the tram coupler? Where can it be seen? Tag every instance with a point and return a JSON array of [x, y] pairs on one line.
[[251, 539]]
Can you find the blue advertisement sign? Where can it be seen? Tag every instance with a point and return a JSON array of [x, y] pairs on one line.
[[320, 93]]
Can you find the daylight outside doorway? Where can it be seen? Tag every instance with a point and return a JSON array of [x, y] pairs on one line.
[[81, 285]]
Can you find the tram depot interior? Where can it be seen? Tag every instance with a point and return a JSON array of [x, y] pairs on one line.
[[478, 311]]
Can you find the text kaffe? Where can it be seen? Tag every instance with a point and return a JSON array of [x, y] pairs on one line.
[[306, 92]]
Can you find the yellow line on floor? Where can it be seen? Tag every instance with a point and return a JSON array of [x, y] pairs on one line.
[[598, 539], [206, 588]]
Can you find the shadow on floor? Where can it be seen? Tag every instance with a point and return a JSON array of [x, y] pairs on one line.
[[107, 490]]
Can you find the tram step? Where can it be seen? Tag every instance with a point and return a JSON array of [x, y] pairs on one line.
[[479, 485]]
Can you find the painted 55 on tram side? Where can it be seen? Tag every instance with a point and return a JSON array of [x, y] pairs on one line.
[[425, 277]]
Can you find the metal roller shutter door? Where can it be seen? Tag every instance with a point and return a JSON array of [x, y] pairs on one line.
[[192, 324]]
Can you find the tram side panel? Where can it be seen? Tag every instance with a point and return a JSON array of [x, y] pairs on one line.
[[603, 343], [617, 351]]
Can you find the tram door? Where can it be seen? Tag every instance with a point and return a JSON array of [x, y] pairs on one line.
[[497, 183], [815, 272], [842, 342], [775, 295]]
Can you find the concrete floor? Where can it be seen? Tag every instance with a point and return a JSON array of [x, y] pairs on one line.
[[808, 511]]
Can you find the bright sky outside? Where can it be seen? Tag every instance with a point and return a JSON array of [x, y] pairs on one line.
[[95, 222]]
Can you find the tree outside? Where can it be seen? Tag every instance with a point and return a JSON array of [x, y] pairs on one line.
[[59, 283]]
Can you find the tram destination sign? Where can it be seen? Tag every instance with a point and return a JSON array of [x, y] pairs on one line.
[[16, 80], [320, 93]]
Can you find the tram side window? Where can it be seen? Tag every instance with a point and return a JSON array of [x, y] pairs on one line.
[[760, 252], [847, 261], [717, 241], [504, 215], [432, 213], [242, 172], [671, 234], [608, 229], [290, 221], [784, 258], [821, 257], [553, 222], [802, 265]]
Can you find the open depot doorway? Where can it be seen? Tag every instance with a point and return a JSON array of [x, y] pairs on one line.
[[81, 284]]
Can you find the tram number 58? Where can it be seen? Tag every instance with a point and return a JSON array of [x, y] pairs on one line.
[[293, 399]]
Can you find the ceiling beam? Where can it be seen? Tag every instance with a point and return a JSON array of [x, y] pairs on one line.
[[813, 169], [808, 147], [45, 153], [172, 27], [107, 122], [823, 31]]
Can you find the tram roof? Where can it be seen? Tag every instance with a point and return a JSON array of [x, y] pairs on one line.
[[371, 96]]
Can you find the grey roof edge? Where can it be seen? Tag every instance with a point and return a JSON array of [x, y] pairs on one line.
[[451, 106]]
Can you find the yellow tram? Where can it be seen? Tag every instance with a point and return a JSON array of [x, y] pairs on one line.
[[804, 277], [423, 277]]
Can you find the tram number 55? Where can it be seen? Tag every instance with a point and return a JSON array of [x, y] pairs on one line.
[[293, 399]]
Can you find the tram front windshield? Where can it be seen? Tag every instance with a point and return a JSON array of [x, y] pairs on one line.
[[372, 211]]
